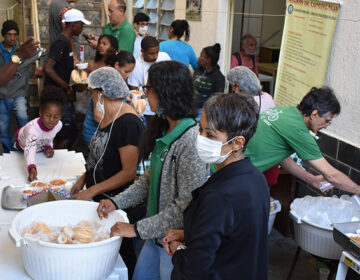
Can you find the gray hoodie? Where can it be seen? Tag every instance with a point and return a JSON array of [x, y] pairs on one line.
[[182, 172]]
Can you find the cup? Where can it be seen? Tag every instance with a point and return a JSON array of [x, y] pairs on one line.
[[324, 273], [135, 95]]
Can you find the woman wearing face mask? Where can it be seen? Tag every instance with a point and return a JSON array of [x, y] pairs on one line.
[[179, 50], [113, 157], [124, 63], [208, 78], [174, 172], [226, 223], [107, 45]]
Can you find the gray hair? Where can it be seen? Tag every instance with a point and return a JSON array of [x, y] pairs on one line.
[[246, 36], [245, 78], [232, 113], [110, 81]]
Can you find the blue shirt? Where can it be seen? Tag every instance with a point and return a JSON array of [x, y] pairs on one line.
[[7, 55], [180, 51]]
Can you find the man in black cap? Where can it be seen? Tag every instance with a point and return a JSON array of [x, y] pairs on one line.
[[15, 62]]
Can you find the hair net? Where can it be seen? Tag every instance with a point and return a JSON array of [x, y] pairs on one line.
[[110, 81], [245, 78]]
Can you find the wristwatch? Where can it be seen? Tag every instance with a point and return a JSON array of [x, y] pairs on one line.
[[16, 59], [181, 247]]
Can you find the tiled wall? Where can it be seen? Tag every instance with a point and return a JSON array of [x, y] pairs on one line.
[[339, 154]]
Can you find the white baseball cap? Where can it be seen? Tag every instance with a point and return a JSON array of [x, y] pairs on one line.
[[74, 15]]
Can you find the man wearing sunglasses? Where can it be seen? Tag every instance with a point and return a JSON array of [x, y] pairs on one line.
[[283, 131], [15, 62]]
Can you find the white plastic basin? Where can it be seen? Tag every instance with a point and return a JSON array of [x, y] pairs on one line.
[[44, 260]]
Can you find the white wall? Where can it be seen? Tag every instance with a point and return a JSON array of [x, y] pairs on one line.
[[343, 73], [202, 33]]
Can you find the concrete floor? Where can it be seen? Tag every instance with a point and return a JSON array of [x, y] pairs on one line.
[[281, 252]]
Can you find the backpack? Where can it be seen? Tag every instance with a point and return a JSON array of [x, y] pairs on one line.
[[238, 58]]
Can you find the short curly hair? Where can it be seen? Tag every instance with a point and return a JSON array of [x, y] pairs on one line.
[[52, 95]]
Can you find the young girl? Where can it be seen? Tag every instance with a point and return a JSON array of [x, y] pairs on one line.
[[38, 134]]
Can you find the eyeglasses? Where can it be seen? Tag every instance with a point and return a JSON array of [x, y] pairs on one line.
[[146, 88], [11, 34], [328, 122]]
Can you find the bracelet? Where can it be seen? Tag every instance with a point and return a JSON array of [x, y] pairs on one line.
[[181, 247]]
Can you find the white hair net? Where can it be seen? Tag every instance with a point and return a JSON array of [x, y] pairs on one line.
[[110, 81], [245, 78]]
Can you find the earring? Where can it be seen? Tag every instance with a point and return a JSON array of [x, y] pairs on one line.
[[160, 112]]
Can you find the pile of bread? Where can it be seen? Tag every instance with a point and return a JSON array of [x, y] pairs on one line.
[[79, 76], [82, 232]]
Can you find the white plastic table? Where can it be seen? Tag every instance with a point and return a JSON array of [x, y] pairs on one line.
[[347, 260], [64, 164]]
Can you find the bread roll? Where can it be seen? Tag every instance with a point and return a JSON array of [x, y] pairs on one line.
[[83, 234]]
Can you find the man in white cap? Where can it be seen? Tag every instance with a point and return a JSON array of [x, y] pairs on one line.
[[58, 69]]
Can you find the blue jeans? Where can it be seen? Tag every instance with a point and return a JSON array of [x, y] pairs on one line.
[[19, 106], [153, 263]]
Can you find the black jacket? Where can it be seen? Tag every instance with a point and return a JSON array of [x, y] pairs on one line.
[[226, 227], [207, 83]]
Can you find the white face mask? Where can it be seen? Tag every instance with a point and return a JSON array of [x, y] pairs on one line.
[[100, 106], [143, 30], [209, 150]]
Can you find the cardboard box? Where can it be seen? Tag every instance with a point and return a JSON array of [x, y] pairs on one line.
[[45, 196]]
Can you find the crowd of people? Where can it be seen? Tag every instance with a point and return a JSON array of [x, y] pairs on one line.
[[212, 155]]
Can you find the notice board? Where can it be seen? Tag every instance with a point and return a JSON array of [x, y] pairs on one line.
[[305, 48]]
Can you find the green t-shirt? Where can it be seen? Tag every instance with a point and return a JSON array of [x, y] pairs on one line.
[[124, 33], [157, 158], [281, 131]]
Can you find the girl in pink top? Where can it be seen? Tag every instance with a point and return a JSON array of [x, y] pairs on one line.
[[38, 134]]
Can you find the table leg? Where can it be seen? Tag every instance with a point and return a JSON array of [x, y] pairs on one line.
[[342, 271]]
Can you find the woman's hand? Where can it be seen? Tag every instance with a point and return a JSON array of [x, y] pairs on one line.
[[123, 229], [49, 153], [83, 195], [105, 207], [171, 247], [78, 185], [32, 174], [172, 236]]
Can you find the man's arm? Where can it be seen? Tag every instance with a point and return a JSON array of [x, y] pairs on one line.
[[26, 50], [290, 166], [334, 176]]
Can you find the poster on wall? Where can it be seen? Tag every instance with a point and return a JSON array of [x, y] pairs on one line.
[[305, 48], [193, 9]]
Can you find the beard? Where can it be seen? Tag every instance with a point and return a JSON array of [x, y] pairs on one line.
[[249, 52]]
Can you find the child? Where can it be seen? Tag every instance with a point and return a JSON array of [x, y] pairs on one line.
[[38, 134]]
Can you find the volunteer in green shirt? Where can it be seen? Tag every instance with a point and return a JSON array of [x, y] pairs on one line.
[[174, 172], [118, 26], [284, 130]]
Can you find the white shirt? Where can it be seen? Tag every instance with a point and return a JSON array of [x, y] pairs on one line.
[[137, 46], [139, 75]]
